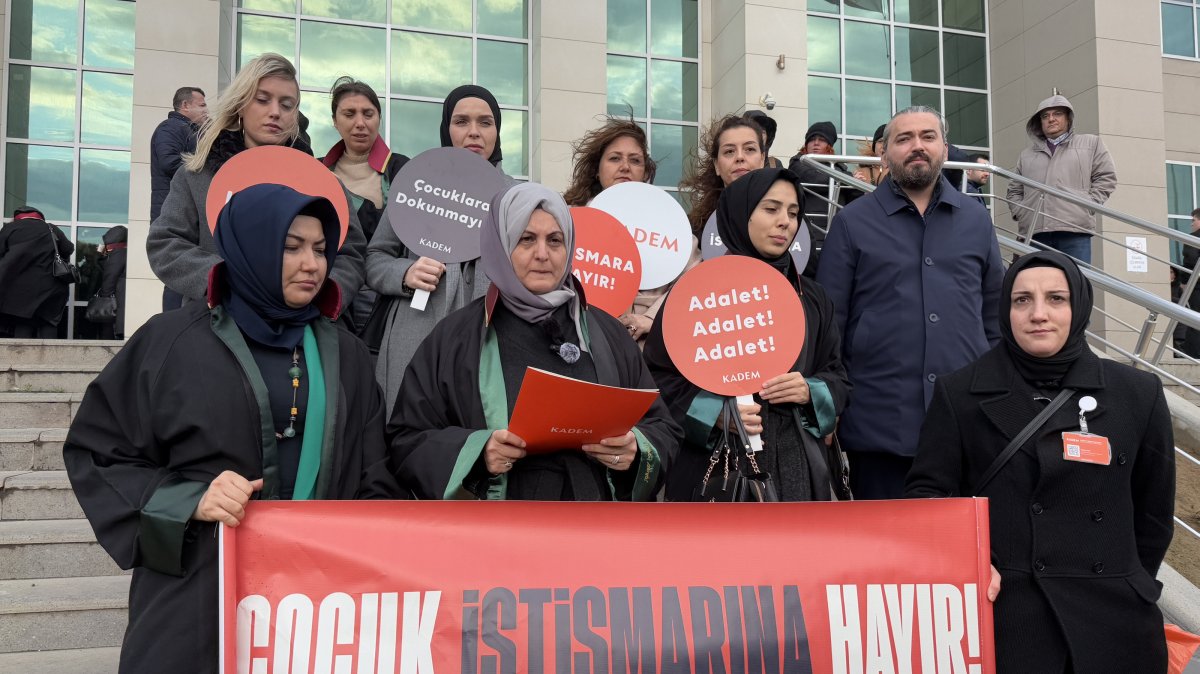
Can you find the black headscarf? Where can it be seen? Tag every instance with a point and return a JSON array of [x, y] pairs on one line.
[[737, 204], [471, 91], [251, 233], [1048, 372]]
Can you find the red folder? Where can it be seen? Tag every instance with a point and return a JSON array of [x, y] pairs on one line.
[[554, 412]]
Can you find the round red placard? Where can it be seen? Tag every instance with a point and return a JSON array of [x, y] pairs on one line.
[[277, 165], [607, 261], [732, 323]]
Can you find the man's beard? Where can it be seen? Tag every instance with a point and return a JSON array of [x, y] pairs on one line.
[[915, 177]]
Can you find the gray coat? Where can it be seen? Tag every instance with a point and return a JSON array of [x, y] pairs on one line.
[[1080, 165], [182, 250], [388, 260]]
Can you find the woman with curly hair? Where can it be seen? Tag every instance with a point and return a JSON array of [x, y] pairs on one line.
[[614, 153], [733, 146]]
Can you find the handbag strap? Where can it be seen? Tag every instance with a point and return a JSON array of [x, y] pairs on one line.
[[1016, 443], [54, 243]]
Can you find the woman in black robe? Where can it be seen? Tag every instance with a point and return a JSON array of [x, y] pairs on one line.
[[1076, 545], [448, 430], [794, 411], [113, 256], [257, 395], [31, 298]]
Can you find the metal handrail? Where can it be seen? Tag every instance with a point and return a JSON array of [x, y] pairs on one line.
[[1153, 304]]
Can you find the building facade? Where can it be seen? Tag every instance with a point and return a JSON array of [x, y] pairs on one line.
[[86, 81]]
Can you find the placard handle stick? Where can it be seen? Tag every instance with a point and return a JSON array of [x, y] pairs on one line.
[[420, 299], [756, 444]]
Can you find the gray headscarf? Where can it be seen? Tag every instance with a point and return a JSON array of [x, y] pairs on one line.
[[506, 221]]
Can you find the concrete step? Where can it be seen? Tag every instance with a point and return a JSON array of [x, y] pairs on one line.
[[38, 410], [37, 495], [52, 549], [62, 613], [55, 351], [75, 661], [63, 377], [24, 449]]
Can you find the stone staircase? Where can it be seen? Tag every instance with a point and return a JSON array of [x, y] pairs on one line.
[[62, 599]]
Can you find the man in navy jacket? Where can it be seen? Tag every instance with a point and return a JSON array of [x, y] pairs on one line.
[[913, 270], [173, 137]]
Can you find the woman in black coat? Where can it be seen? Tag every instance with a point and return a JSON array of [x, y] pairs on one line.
[[758, 216], [31, 298], [257, 395], [114, 254], [1077, 536]]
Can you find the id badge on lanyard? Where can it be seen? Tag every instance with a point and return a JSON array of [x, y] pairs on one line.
[[1085, 447]]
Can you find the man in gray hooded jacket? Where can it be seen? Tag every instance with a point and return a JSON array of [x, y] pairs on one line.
[[1077, 163]]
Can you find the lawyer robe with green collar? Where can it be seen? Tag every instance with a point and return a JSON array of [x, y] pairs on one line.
[[463, 379], [182, 402]]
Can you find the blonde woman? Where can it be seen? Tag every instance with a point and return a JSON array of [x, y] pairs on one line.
[[260, 107]]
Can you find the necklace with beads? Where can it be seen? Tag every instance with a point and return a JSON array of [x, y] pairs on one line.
[[295, 373]]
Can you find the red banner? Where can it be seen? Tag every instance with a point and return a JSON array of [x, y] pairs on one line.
[[496, 588]]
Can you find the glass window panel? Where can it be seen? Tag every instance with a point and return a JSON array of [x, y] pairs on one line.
[[1178, 36], [868, 104], [87, 258], [825, 100], [627, 25], [503, 17], [261, 34], [963, 14], [287, 6], [1179, 189], [626, 86], [99, 170], [966, 61], [41, 103], [512, 142], [924, 12], [429, 65], [907, 97], [357, 10], [869, 9], [330, 50], [438, 14], [672, 147], [107, 109], [44, 30], [830, 6], [414, 126], [502, 68], [37, 175], [824, 45], [917, 55], [322, 133], [867, 50], [108, 34], [967, 115], [673, 27], [673, 92]]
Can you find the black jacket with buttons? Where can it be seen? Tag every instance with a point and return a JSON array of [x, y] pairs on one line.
[[1077, 545]]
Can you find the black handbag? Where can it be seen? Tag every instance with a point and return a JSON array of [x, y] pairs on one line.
[[60, 269], [734, 484], [374, 328], [102, 309], [839, 470]]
